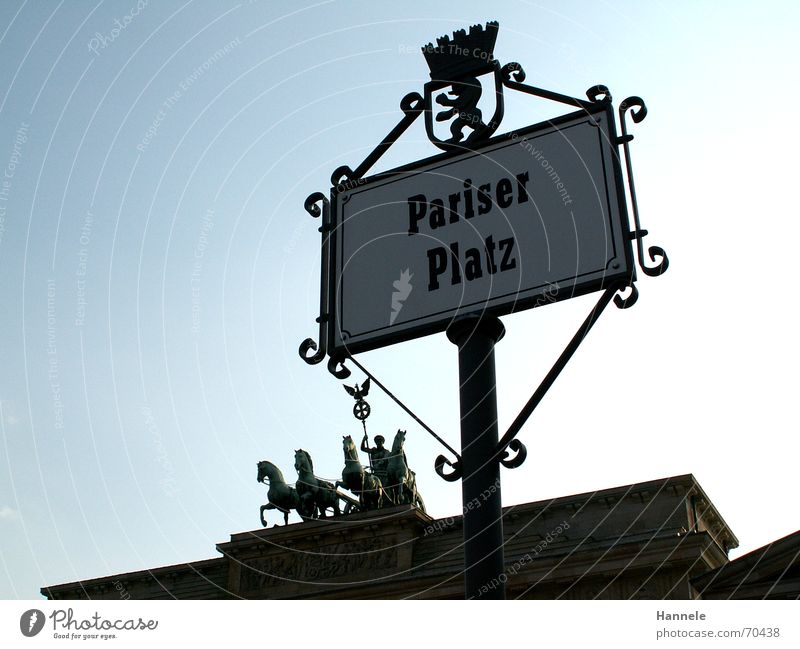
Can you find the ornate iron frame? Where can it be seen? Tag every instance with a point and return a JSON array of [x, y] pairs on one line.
[[511, 452]]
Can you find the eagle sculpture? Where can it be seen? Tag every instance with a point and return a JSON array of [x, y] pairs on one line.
[[356, 393]]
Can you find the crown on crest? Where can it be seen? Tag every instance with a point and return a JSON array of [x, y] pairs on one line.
[[465, 54]]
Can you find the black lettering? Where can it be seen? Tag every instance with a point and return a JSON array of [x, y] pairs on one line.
[[437, 214], [472, 266], [484, 198], [469, 212], [491, 267], [416, 212], [437, 263], [456, 270], [506, 246], [454, 200], [522, 191], [505, 193]]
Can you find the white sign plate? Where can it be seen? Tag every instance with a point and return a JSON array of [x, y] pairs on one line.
[[533, 217]]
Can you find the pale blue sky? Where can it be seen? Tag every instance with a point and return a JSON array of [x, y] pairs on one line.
[[135, 402]]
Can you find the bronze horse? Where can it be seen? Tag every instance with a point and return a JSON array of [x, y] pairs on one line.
[[316, 495], [363, 484], [402, 481], [280, 495]]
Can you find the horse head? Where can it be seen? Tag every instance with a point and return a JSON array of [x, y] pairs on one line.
[[399, 440], [262, 470], [349, 448], [302, 460], [269, 470]]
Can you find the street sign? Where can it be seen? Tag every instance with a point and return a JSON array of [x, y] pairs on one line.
[[531, 217], [492, 226]]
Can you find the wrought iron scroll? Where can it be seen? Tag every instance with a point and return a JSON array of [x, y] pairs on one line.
[[337, 368], [441, 462], [513, 461], [312, 207], [345, 178], [632, 104], [627, 302], [508, 442], [513, 76], [411, 105]]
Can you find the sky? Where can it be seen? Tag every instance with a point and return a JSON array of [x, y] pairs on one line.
[[159, 271]]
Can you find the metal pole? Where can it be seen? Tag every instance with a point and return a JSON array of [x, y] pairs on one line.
[[364, 423], [480, 482]]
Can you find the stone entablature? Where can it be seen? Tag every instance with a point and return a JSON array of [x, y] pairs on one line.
[[646, 540]]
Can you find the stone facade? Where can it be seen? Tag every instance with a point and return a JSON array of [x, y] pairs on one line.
[[647, 540], [770, 572]]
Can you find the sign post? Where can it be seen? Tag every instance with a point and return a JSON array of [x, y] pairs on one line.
[[491, 226], [484, 565]]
